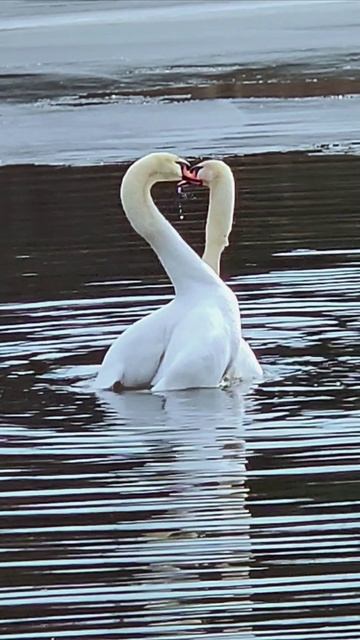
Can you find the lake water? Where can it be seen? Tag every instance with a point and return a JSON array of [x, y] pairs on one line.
[[228, 513], [231, 513]]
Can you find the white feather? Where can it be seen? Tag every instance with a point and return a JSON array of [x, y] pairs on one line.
[[195, 340]]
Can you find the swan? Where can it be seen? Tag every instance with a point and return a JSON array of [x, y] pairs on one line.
[[195, 340], [218, 177]]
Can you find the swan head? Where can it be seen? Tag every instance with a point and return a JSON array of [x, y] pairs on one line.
[[162, 167], [209, 172]]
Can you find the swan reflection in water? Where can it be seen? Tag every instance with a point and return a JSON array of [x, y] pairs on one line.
[[193, 452]]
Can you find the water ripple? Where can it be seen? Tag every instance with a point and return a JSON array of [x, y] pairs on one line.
[[229, 513]]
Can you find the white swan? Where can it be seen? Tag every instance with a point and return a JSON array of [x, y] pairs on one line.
[[195, 340], [218, 177]]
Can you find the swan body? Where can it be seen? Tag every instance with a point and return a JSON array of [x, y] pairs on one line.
[[218, 177], [195, 340], [189, 343]]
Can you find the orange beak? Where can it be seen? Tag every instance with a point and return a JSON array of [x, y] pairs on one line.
[[188, 177]]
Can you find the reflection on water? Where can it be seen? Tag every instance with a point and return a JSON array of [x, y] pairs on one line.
[[227, 513]]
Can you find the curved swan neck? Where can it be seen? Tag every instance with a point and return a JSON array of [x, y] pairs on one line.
[[220, 218], [135, 195], [183, 266]]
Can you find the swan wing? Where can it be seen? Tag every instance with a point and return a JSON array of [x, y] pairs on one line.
[[198, 353], [134, 358]]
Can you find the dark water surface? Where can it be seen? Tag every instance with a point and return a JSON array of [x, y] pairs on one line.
[[210, 514], [213, 513]]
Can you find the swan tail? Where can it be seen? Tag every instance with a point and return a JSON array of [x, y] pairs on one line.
[[246, 365], [108, 377]]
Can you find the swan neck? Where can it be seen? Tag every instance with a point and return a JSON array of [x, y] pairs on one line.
[[137, 202], [183, 266], [219, 219]]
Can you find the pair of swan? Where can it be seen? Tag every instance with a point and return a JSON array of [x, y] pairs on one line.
[[195, 340]]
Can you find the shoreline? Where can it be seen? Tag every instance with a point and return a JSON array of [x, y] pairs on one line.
[[84, 82], [46, 133]]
